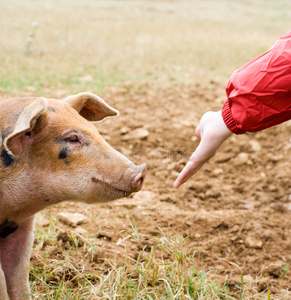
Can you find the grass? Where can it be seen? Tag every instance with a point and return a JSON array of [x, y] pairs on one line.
[[165, 267], [115, 41], [149, 276]]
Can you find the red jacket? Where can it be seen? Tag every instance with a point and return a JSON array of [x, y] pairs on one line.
[[259, 93]]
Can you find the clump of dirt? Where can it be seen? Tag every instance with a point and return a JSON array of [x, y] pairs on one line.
[[235, 210]]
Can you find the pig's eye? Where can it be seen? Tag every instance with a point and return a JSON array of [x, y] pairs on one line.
[[72, 139]]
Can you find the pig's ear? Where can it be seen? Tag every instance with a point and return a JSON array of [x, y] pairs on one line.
[[26, 127], [90, 106]]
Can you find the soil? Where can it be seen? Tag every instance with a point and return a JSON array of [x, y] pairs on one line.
[[236, 209]]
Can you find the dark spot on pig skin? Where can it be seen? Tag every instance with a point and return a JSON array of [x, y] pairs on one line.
[[63, 153], [52, 109], [46, 200], [95, 179], [67, 162], [6, 158], [7, 227]]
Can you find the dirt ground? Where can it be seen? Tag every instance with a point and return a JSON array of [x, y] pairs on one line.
[[236, 209]]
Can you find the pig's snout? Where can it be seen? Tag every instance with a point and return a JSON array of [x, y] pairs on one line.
[[138, 179]]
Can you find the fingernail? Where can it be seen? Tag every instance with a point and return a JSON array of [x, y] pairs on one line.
[[176, 184]]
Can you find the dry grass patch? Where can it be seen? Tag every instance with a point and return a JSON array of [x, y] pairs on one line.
[[74, 268]]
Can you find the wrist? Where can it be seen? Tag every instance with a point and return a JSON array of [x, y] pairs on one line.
[[229, 120]]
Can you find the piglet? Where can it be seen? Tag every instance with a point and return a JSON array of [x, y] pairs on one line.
[[51, 152]]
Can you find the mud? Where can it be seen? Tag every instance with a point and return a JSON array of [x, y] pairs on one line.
[[236, 209]]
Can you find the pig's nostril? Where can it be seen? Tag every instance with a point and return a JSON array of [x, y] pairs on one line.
[[138, 181]]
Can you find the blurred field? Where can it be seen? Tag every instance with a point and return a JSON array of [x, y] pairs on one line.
[[113, 41]]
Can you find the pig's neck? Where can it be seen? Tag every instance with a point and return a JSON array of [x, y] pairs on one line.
[[24, 209], [21, 197]]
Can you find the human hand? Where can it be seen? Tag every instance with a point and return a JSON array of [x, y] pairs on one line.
[[213, 132]]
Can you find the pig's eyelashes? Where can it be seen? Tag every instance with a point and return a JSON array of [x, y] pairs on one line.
[[73, 139]]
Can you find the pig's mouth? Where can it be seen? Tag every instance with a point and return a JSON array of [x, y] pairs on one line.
[[118, 193]]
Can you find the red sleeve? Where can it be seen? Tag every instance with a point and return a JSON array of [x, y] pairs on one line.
[[259, 93]]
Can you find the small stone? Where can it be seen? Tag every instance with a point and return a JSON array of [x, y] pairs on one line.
[[42, 221], [287, 206], [72, 219], [171, 166], [248, 279], [174, 173], [241, 159], [269, 235], [146, 213], [255, 146], [106, 137], [234, 281], [124, 130], [250, 162], [275, 269], [275, 158], [235, 228], [136, 134], [194, 138], [217, 171], [227, 187], [223, 157], [212, 194], [273, 188], [249, 205], [167, 198], [252, 242], [105, 235], [201, 196]]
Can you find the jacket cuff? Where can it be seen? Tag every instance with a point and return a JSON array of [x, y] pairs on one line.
[[228, 119]]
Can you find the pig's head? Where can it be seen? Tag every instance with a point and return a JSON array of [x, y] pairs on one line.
[[52, 152]]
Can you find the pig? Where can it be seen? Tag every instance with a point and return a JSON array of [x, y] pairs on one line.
[[51, 152]]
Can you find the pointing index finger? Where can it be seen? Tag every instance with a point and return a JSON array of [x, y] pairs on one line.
[[189, 170]]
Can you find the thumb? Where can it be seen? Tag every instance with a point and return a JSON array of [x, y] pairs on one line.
[[197, 131]]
